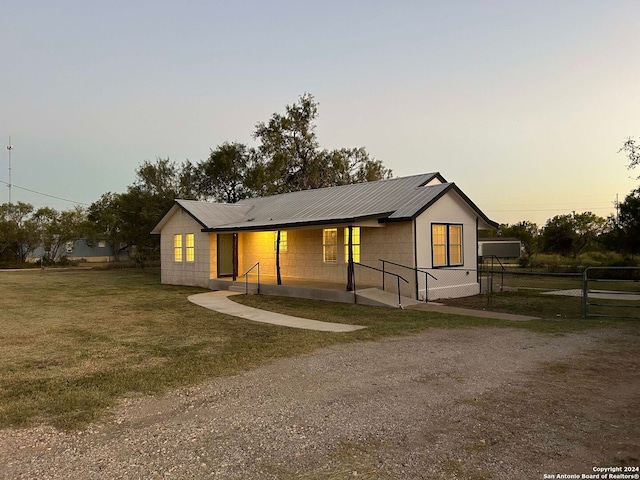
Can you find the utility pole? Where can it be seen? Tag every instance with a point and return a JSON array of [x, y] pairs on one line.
[[617, 209], [9, 147]]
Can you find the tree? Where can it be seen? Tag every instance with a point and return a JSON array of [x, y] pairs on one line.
[[558, 235], [165, 179], [128, 218], [17, 238], [223, 176], [632, 150], [18, 232], [105, 221], [352, 165], [289, 157], [629, 223], [56, 229], [289, 148], [525, 231], [571, 234]]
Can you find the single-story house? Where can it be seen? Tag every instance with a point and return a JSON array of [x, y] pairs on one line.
[[341, 234]]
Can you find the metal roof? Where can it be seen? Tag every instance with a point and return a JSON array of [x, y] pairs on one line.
[[394, 199]]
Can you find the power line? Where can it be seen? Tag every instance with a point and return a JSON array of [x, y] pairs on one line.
[[45, 194]]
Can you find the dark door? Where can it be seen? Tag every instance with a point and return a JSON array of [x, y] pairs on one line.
[[225, 255]]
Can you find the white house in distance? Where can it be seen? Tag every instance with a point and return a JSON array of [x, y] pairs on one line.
[[415, 224]]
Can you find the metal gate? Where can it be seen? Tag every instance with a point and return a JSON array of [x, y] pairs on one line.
[[611, 292]]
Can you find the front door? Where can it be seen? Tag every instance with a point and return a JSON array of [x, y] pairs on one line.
[[225, 255]]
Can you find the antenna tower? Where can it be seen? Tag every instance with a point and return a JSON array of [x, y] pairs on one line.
[[9, 147]]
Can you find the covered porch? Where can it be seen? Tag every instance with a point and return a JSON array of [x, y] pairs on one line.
[[328, 258], [364, 294]]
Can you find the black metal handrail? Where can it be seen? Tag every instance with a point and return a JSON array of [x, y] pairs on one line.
[[501, 271], [398, 277], [417, 270], [246, 278]]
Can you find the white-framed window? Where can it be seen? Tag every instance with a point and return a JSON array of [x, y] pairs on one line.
[[355, 243], [446, 245], [102, 244], [177, 247], [69, 247], [330, 245], [190, 250], [283, 241]]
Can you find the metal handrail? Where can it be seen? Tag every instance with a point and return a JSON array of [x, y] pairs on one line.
[[246, 278], [501, 272], [417, 270], [398, 277]]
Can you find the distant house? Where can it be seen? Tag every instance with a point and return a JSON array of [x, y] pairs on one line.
[[417, 223], [79, 250]]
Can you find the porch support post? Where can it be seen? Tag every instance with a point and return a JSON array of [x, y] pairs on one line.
[[278, 278], [235, 256], [350, 265]]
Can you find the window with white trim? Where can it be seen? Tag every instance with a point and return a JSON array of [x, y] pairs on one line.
[[355, 243], [190, 247], [177, 247], [446, 245], [330, 245]]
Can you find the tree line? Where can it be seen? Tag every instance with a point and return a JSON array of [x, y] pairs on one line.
[[287, 157], [572, 234]]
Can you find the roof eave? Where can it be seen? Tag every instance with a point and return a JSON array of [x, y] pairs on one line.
[[293, 225]]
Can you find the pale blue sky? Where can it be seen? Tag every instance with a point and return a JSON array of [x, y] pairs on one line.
[[523, 104]]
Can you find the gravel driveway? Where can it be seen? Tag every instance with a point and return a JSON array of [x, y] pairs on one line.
[[473, 403]]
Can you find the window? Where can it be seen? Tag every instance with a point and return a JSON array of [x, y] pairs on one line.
[[446, 242], [283, 241], [190, 251], [355, 243], [102, 244], [455, 245], [330, 245], [177, 247], [439, 241]]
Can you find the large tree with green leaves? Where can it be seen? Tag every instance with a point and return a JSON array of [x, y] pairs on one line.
[[223, 176], [19, 235], [570, 234], [128, 218], [56, 228], [625, 237], [289, 157]]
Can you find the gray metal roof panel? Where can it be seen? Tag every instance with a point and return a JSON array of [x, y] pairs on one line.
[[355, 200], [211, 215], [391, 199]]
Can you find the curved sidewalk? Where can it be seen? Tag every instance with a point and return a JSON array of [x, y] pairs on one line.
[[220, 302]]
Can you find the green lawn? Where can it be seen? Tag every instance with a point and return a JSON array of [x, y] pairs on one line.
[[73, 342]]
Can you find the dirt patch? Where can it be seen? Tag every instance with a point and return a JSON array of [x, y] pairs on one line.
[[474, 404]]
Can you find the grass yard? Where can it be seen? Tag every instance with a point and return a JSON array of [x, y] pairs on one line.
[[74, 342]]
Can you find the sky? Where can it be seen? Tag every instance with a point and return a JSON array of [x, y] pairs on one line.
[[524, 105]]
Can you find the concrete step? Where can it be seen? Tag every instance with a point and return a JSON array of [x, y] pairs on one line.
[[375, 296], [242, 288]]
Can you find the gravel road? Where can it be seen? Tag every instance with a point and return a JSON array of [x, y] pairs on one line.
[[472, 403]]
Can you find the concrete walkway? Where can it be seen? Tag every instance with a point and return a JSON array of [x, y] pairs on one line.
[[470, 312], [220, 302]]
